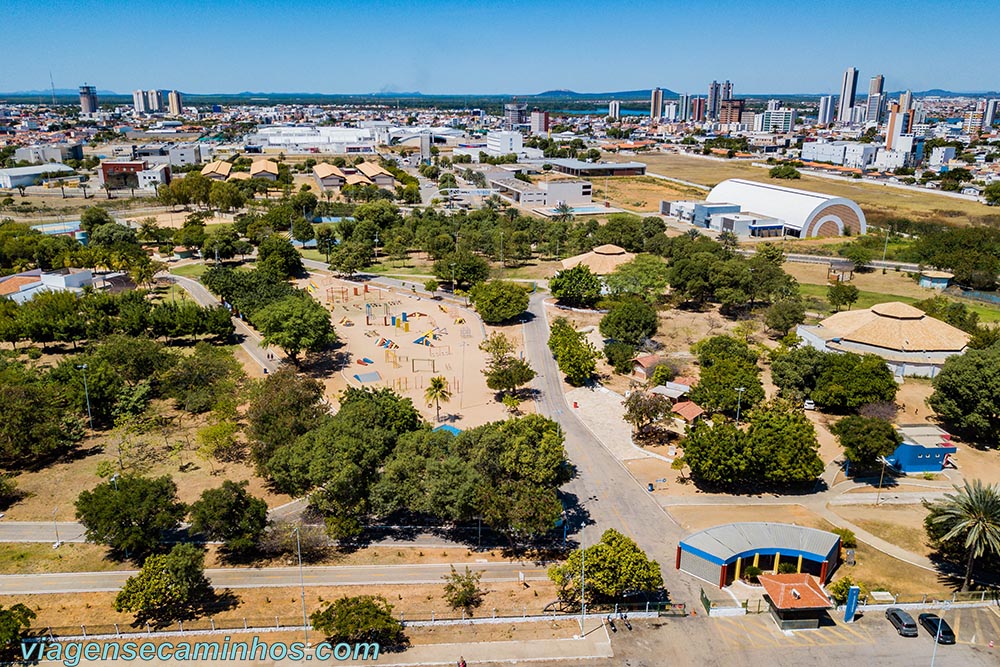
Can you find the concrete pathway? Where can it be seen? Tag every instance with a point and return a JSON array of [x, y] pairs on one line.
[[278, 577], [602, 412]]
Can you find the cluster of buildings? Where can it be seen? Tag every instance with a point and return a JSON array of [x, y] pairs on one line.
[[157, 101]]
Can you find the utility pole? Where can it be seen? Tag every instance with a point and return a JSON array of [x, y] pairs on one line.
[[739, 402], [302, 585], [86, 392]]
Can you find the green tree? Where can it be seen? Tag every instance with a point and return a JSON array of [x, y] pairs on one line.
[[499, 301], [719, 455], [199, 381], [276, 255], [644, 277], [866, 440], [221, 243], [992, 194], [643, 409], [969, 518], [630, 321], [437, 391], [576, 287], [15, 621], [782, 316], [955, 313], [784, 442], [508, 375], [842, 294], [130, 514], [469, 269], [295, 324], [721, 348], [858, 253], [348, 258], [967, 395], [616, 567], [462, 590], [167, 586], [32, 424], [784, 171], [231, 515], [717, 388], [621, 356], [795, 371], [225, 196], [94, 217], [848, 381], [361, 619], [282, 407]]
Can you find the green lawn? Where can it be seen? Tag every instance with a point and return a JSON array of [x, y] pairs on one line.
[[313, 254], [190, 270], [869, 299]]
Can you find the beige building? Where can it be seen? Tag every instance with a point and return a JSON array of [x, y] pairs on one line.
[[265, 169], [328, 176], [602, 260], [377, 174], [218, 170], [911, 342]]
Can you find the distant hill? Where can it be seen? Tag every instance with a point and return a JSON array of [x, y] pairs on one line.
[[60, 92], [622, 94]]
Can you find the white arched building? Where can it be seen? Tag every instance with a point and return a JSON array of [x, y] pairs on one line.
[[798, 212]]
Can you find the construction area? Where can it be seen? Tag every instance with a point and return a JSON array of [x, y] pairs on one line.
[[399, 339]]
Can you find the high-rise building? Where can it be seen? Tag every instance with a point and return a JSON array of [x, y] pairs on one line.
[[656, 104], [848, 90], [730, 111], [900, 123], [906, 101], [992, 109], [539, 121], [139, 101], [697, 110], [778, 121], [875, 104], [155, 99], [714, 94], [670, 112], [825, 110], [975, 120], [515, 114], [726, 91], [88, 99], [615, 109], [773, 105], [684, 107], [175, 103]]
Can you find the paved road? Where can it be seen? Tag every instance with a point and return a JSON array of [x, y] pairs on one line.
[[275, 577], [621, 502], [252, 342]]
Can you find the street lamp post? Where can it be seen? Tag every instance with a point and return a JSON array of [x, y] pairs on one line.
[[739, 402], [302, 585], [86, 392], [55, 527], [452, 278], [937, 635], [878, 496], [583, 572]]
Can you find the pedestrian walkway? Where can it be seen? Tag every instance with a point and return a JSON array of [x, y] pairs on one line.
[[602, 412]]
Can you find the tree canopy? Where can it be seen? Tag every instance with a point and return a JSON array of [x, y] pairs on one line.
[[616, 568], [296, 324], [231, 515], [967, 395], [359, 620], [577, 287], [166, 585], [630, 321], [499, 301]]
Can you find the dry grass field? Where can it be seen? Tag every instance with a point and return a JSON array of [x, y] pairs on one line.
[[641, 193], [870, 196]]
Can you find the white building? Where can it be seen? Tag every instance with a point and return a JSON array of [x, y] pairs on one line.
[[615, 109], [310, 138], [780, 121], [139, 102], [572, 192], [504, 142], [155, 176], [890, 160], [941, 156], [851, 154], [26, 176]]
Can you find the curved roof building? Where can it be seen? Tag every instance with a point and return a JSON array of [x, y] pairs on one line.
[[602, 260], [804, 213], [719, 553]]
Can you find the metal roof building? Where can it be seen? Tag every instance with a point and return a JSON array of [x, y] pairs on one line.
[[717, 554], [804, 213], [26, 176]]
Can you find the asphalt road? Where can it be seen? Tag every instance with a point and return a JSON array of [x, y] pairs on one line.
[[622, 503], [275, 577]]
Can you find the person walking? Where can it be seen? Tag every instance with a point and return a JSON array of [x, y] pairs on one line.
[[461, 661]]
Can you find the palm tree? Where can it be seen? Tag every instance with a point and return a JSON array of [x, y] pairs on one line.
[[564, 212], [436, 392], [973, 516]]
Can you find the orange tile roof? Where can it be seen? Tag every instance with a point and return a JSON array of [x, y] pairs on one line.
[[14, 284], [687, 410], [795, 591]]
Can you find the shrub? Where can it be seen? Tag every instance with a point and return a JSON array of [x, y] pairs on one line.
[[752, 572], [848, 539], [620, 356], [839, 589], [787, 568]]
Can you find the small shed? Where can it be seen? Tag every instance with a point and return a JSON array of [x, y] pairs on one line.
[[797, 601], [840, 272], [936, 279], [925, 448], [643, 366]]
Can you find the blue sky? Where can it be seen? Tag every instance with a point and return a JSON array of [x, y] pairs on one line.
[[517, 46]]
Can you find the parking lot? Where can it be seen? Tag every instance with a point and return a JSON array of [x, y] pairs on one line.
[[756, 640]]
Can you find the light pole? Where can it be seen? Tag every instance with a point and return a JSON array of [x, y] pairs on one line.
[[86, 392], [739, 402], [937, 635], [885, 248], [376, 247], [501, 252], [55, 527], [452, 277], [302, 585], [878, 496], [583, 571]]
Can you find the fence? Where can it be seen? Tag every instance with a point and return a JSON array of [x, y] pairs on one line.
[[987, 297], [269, 624]]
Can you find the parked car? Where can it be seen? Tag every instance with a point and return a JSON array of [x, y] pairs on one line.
[[903, 622], [809, 404], [936, 625]]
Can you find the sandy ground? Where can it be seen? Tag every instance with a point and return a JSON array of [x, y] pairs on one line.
[[891, 282], [406, 367], [695, 518], [902, 525]]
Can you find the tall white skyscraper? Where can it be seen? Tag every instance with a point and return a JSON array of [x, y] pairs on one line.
[[175, 103], [139, 101], [848, 90], [155, 99], [875, 103], [670, 112], [684, 107], [825, 110], [906, 101], [992, 108], [773, 105], [656, 104], [615, 109]]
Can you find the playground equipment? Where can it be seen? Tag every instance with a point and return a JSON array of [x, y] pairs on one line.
[[393, 358], [387, 344], [423, 365], [365, 361], [428, 338]]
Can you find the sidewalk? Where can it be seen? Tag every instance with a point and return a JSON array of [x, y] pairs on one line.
[[602, 412]]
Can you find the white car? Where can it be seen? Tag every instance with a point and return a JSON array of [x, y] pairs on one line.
[[809, 405]]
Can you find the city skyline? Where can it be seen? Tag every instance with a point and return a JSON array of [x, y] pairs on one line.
[[377, 47]]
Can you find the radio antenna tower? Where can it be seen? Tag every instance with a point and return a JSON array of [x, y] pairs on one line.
[[52, 84]]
